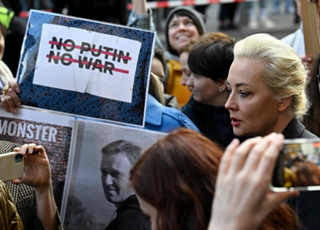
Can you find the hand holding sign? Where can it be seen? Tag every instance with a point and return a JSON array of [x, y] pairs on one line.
[[11, 101]]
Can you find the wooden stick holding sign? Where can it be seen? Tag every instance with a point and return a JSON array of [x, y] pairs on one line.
[[310, 18]]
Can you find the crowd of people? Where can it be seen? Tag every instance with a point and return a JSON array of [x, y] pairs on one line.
[[227, 107]]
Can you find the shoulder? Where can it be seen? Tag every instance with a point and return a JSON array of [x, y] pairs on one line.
[[134, 219], [165, 119], [172, 116], [174, 65], [307, 134], [288, 39], [295, 129]]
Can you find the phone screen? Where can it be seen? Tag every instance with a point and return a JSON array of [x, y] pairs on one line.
[[298, 166]]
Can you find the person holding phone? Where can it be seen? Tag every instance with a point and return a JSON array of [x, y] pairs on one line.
[[242, 197], [32, 193], [175, 181], [266, 83]]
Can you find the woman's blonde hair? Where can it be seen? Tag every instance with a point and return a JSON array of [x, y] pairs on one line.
[[284, 72], [155, 89]]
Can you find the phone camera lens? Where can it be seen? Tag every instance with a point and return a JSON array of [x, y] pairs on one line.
[[18, 158]]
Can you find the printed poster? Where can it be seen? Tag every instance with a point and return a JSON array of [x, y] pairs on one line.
[[85, 67], [88, 203], [53, 132]]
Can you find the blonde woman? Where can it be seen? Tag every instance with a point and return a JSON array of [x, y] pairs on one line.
[[267, 84]]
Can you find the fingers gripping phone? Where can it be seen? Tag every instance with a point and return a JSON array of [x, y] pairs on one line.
[[11, 166]]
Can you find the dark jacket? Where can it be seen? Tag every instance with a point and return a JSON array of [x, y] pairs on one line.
[[213, 122], [307, 204], [295, 129], [130, 216], [113, 11]]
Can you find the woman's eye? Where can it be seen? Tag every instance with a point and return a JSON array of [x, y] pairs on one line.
[[229, 91], [189, 23], [173, 24], [243, 94]]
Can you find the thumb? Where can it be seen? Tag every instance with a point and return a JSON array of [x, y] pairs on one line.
[[274, 199]]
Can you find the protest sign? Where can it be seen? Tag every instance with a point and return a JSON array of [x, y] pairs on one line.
[[88, 205], [104, 71], [53, 132], [85, 67]]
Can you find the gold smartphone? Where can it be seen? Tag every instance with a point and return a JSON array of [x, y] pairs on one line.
[[11, 166]]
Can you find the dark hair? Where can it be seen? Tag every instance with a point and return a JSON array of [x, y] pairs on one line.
[[312, 119], [158, 54], [132, 152], [307, 174], [177, 176], [182, 13], [211, 59]]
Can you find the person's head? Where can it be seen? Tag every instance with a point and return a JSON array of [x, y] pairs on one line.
[[312, 118], [307, 174], [158, 66], [156, 89], [182, 24], [117, 160], [266, 83], [209, 61], [3, 33], [183, 59], [185, 51], [177, 177], [175, 181]]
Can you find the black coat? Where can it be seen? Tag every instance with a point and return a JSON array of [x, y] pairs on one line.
[[307, 204], [130, 216], [213, 122]]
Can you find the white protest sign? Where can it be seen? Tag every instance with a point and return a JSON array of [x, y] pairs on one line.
[[87, 62]]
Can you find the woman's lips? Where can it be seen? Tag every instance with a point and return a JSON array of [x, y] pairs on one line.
[[235, 122], [183, 38]]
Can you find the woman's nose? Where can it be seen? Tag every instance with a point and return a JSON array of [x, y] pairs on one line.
[[230, 104], [190, 81]]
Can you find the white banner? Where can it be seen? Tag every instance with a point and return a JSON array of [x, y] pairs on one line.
[[88, 62]]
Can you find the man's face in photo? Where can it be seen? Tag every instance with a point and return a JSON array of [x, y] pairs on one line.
[[115, 172]]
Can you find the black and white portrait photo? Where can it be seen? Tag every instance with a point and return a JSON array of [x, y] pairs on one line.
[[99, 194]]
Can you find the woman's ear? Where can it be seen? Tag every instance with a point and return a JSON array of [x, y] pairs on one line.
[[222, 84], [284, 103]]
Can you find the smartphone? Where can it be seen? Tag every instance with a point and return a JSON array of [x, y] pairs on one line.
[[298, 166], [11, 165]]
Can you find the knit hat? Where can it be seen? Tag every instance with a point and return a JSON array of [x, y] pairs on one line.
[[195, 16]]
